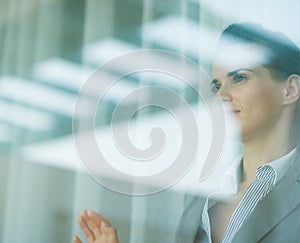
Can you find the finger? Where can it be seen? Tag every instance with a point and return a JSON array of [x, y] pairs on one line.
[[104, 225], [110, 232], [84, 214], [76, 239], [94, 228], [97, 218], [85, 229]]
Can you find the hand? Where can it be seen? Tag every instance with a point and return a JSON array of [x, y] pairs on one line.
[[96, 229]]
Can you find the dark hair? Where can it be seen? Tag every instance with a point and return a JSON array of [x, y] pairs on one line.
[[283, 54]]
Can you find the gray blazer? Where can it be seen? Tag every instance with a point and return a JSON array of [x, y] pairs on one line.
[[275, 219]]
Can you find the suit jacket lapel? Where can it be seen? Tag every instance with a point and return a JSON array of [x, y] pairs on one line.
[[273, 208]]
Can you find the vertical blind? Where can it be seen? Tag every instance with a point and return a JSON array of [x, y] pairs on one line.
[[49, 50]]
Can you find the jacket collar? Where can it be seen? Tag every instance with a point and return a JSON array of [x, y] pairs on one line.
[[263, 218]]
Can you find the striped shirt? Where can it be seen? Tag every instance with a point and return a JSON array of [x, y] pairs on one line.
[[266, 177]]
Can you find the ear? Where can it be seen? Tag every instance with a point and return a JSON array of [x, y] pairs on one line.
[[291, 89]]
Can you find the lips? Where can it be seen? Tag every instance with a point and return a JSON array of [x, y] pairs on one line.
[[232, 111], [229, 109]]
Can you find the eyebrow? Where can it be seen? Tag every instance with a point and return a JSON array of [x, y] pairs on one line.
[[232, 73]]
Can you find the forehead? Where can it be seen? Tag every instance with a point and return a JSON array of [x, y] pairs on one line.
[[240, 56]]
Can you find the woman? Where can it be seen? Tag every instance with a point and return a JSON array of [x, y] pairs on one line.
[[257, 73]]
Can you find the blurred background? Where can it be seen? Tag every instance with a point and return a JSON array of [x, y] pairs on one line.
[[48, 49]]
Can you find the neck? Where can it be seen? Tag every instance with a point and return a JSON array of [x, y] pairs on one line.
[[258, 152]]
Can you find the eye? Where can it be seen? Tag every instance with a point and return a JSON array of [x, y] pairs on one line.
[[215, 86], [239, 78]]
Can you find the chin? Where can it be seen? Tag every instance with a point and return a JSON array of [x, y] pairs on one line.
[[247, 136]]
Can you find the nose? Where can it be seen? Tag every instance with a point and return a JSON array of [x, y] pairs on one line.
[[225, 93]]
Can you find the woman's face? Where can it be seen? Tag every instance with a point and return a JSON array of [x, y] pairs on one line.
[[253, 95]]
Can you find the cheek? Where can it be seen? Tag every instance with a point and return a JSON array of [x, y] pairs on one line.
[[261, 105]]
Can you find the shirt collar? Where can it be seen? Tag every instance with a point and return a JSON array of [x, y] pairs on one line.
[[282, 164], [233, 175]]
